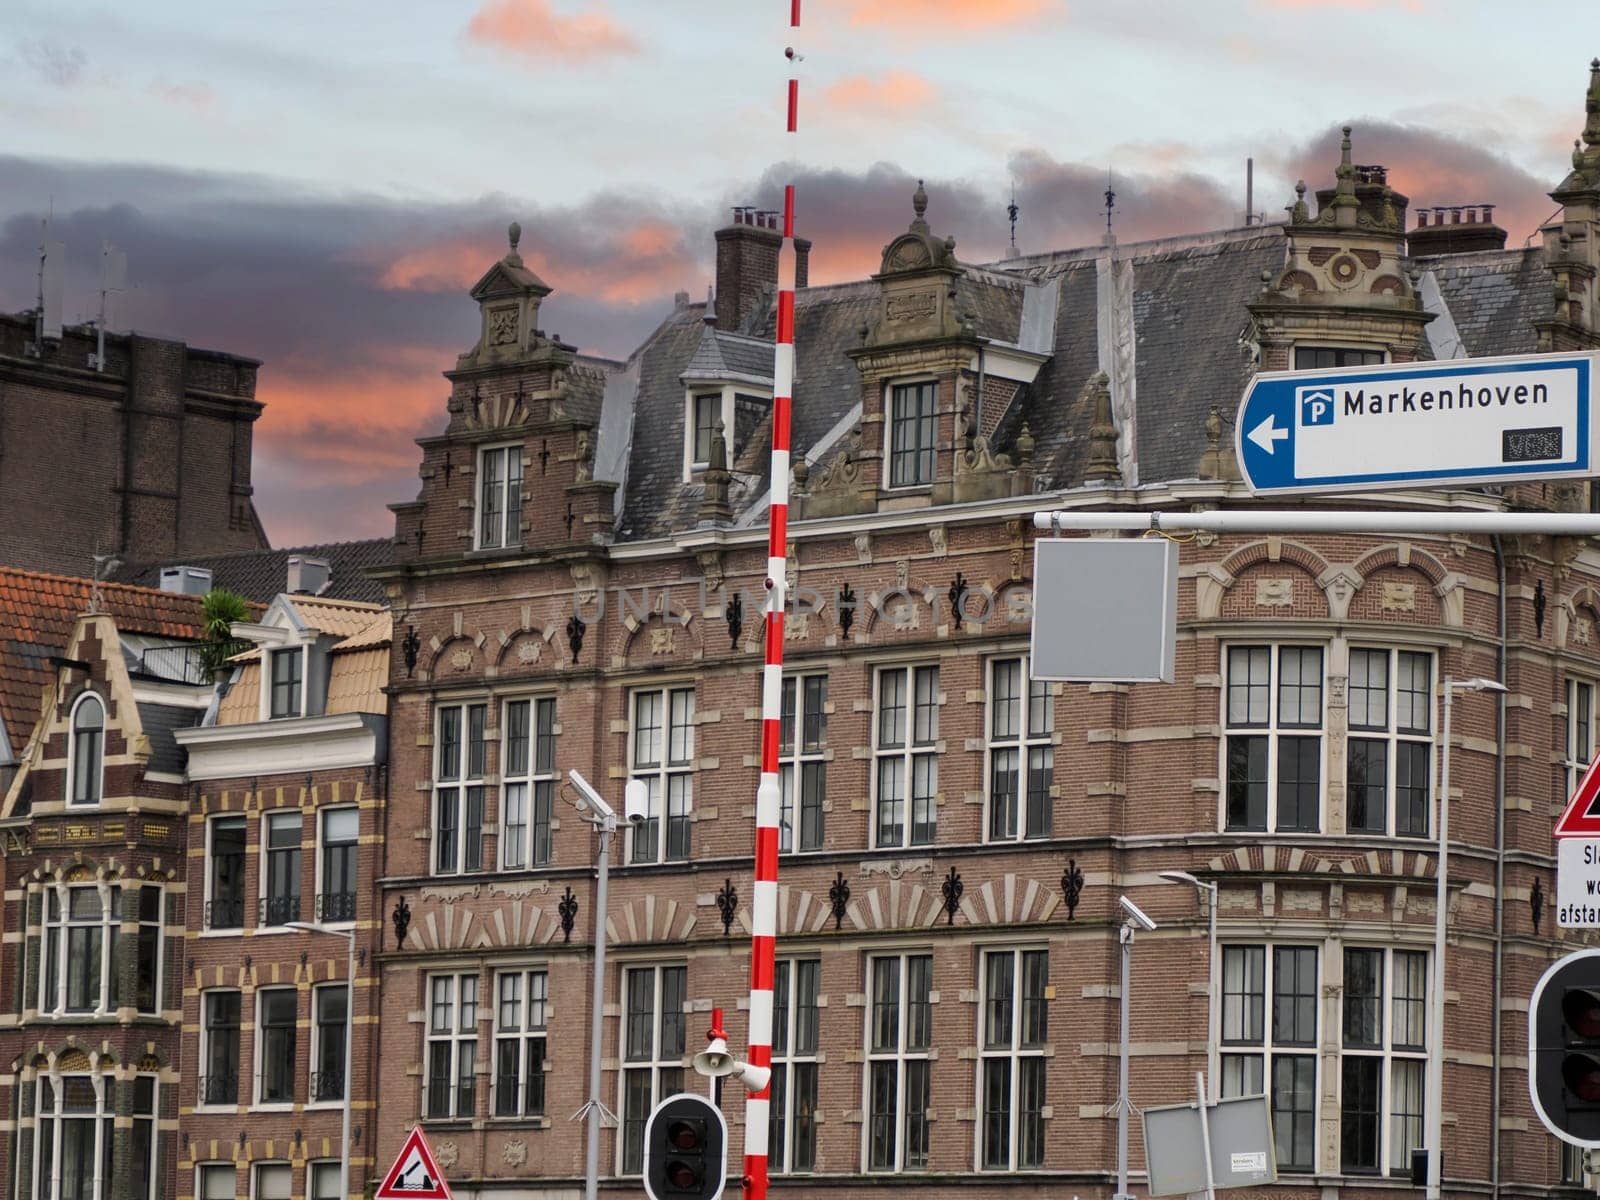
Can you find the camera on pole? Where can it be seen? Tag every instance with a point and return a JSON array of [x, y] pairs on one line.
[[685, 1149], [1564, 1040]]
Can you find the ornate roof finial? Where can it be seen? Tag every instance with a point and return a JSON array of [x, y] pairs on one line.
[[1591, 129], [1011, 212], [514, 235], [1111, 200], [919, 206], [710, 317], [1301, 212], [1102, 465]]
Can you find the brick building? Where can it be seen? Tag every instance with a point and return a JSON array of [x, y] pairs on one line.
[[160, 442], [578, 584]]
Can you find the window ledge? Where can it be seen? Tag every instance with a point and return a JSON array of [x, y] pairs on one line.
[[325, 1106], [274, 1107]]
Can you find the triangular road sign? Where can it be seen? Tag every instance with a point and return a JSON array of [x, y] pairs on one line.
[[1582, 815], [415, 1174]]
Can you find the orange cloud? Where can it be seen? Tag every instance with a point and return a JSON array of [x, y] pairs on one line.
[[948, 15], [896, 91], [532, 29]]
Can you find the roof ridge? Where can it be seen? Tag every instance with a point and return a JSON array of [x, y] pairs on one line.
[[88, 584]]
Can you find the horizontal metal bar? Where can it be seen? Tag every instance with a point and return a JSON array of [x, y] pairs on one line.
[[1303, 521]]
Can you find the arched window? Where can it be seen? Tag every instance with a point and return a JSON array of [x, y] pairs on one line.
[[88, 749]]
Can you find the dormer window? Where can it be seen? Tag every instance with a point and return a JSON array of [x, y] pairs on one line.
[[287, 683], [88, 750], [1320, 358], [707, 414], [913, 433], [499, 497]]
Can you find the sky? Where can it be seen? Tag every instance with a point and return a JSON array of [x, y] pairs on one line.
[[317, 185]]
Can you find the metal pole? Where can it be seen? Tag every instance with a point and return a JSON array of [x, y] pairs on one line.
[[349, 1079], [1124, 1104], [591, 1157], [1436, 1015], [1308, 521], [1205, 1135], [1214, 988]]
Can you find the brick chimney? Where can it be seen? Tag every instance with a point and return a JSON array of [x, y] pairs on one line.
[[1455, 229], [747, 264]]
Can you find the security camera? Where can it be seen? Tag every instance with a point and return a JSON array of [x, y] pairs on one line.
[[636, 802], [589, 798], [1136, 914]]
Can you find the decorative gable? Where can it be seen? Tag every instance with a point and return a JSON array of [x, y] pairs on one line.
[[508, 296]]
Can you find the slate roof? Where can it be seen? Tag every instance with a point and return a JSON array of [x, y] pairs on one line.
[[37, 616], [721, 355], [159, 720], [1495, 297], [260, 575]]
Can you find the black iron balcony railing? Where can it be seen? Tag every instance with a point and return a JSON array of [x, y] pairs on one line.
[[336, 906], [327, 1085], [222, 1088], [225, 914], [280, 910], [447, 1099]]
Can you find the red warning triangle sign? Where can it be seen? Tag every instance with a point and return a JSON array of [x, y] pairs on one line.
[[415, 1174], [1582, 815]]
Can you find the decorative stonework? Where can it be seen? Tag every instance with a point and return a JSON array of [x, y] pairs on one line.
[[912, 305], [1274, 593], [515, 1152], [529, 652], [449, 1154], [461, 659], [503, 326], [897, 868], [661, 640], [1399, 597]]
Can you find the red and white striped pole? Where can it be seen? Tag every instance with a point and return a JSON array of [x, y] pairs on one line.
[[764, 900]]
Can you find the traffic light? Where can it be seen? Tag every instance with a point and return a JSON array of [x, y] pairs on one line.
[[1564, 1040], [685, 1149]]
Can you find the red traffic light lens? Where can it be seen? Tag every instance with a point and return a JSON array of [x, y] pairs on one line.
[[682, 1176], [683, 1135], [1581, 1074], [1580, 1008]]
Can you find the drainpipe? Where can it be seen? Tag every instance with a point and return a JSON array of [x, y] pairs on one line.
[[1499, 868], [977, 401]]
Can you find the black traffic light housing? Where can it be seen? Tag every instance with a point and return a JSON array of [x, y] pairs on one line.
[[1564, 1048], [685, 1149]]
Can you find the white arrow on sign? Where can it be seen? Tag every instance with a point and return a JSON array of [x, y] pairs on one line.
[[1267, 435]]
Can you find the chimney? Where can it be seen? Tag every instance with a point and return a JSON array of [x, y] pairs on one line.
[[747, 263], [186, 581], [308, 575], [1455, 229]]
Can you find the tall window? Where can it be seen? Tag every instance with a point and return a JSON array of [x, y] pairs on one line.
[[324, 1181], [1274, 1049], [281, 871], [1384, 1060], [1320, 358], [458, 789], [148, 951], [906, 735], [1580, 731], [336, 889], [275, 1045], [451, 1084], [219, 1049], [652, 1052], [707, 412], [792, 1128], [1011, 1080], [88, 749], [913, 433], [225, 873], [519, 1043], [74, 1121], [1390, 752], [286, 683], [900, 1034], [1274, 738], [529, 773], [216, 1181], [331, 1007], [144, 1137], [80, 927], [274, 1181], [1021, 757], [500, 497], [802, 769], [662, 749]]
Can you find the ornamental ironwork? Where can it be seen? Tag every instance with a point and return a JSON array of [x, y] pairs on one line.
[[1536, 903], [576, 626], [1072, 886], [957, 593], [567, 910], [402, 921], [734, 615], [727, 905], [411, 644], [951, 889], [839, 898], [847, 609]]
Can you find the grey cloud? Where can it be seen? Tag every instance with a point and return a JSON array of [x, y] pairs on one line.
[[56, 64]]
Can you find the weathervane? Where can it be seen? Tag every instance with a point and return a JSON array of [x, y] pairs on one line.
[[1011, 212]]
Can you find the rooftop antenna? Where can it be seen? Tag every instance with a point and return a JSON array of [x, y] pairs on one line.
[[1111, 208], [1011, 212], [104, 564], [1249, 191], [113, 278], [47, 325]]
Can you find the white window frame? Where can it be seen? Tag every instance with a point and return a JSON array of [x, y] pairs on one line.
[[903, 1056], [258, 1168], [1360, 348], [799, 758], [1276, 731], [47, 1179], [269, 658], [346, 1029], [917, 748], [206, 1170], [470, 777], [719, 400], [529, 1030], [508, 534], [320, 906], [790, 1059], [1393, 736], [211, 856], [283, 817], [203, 1053], [75, 768], [1388, 1054], [1579, 750], [1029, 733], [110, 926], [665, 762], [1266, 1048], [260, 1041], [663, 1068], [890, 421], [322, 1167], [459, 1034], [1014, 1050], [537, 780]]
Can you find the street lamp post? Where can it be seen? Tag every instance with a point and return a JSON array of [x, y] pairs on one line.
[[1435, 1095], [349, 935], [1133, 920], [1212, 968]]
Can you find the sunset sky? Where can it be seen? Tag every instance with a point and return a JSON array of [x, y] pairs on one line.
[[317, 184]]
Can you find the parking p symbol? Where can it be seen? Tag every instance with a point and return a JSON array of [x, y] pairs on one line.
[[1316, 406]]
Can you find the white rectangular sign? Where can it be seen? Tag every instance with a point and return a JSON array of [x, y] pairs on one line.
[[1578, 883], [1255, 1160]]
